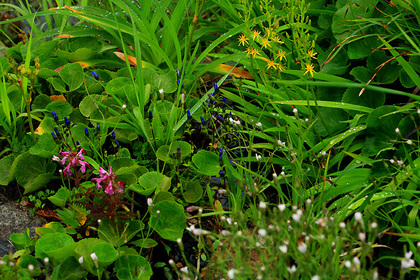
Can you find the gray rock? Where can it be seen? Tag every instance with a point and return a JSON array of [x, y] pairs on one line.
[[14, 218]]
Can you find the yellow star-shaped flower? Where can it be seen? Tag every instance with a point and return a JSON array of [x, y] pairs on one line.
[[256, 34], [270, 64], [265, 42], [312, 54], [281, 54], [243, 40], [255, 52], [309, 68], [248, 51], [281, 67], [277, 39]]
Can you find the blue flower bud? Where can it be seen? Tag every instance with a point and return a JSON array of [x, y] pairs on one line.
[[117, 143], [86, 131], [66, 121], [53, 135], [98, 127], [216, 87], [220, 117], [224, 101], [113, 135], [178, 73], [150, 115], [220, 154], [188, 114], [178, 150], [77, 143], [56, 131], [54, 116], [202, 120], [95, 75], [221, 173]]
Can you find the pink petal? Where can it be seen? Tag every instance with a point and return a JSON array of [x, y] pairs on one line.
[[67, 171], [109, 190]]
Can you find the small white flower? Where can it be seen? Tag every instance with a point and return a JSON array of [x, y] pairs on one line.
[[408, 255], [323, 153], [295, 111], [362, 236], [94, 257], [263, 205], [375, 275], [231, 273], [296, 216], [161, 91], [400, 163], [283, 175], [262, 232], [308, 201], [283, 249], [123, 107], [224, 233], [282, 207], [158, 212], [229, 221], [374, 225], [303, 248], [342, 225], [150, 201], [258, 157], [11, 264], [315, 277], [291, 269], [239, 232], [197, 231], [262, 268], [222, 191], [2, 263], [31, 267], [81, 260], [46, 260], [171, 262], [356, 261], [392, 161], [409, 142], [358, 216], [347, 264], [280, 143], [406, 264], [184, 269], [56, 158], [397, 130], [259, 125]]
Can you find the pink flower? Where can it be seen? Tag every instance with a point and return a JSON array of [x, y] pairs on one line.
[[107, 180], [74, 159]]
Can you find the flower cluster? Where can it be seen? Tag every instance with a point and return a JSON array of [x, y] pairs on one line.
[[73, 160], [107, 180]]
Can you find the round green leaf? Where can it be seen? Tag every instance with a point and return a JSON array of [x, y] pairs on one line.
[[207, 162], [191, 191], [58, 246], [72, 75], [170, 222], [61, 108], [106, 253]]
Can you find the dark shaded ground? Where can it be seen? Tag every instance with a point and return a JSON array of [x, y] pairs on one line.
[[15, 218]]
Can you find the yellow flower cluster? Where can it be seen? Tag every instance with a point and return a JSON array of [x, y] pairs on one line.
[[265, 42], [271, 41]]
